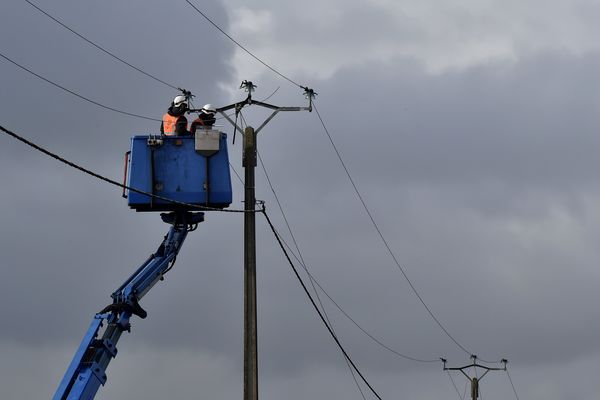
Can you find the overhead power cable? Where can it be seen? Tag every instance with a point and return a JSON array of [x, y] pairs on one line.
[[512, 384], [382, 237], [236, 174], [312, 282], [77, 94], [100, 47], [433, 316], [312, 301], [242, 47], [349, 317], [300, 259], [302, 263], [113, 182], [454, 385]]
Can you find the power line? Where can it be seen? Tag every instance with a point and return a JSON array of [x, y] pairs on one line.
[[454, 384], [511, 384], [335, 338], [382, 237], [352, 373], [244, 48], [311, 279], [379, 342], [100, 47], [347, 172], [113, 182], [77, 94], [236, 174]]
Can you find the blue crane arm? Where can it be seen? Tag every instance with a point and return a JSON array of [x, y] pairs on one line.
[[87, 371]]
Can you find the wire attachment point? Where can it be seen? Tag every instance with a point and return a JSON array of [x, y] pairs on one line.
[[248, 86], [188, 95], [310, 94]]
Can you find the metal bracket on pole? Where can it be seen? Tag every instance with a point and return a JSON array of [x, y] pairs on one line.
[[475, 380], [250, 87], [188, 95]]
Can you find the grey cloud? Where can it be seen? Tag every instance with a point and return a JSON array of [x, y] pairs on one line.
[[482, 180]]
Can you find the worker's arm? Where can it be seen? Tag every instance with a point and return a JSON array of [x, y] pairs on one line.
[[181, 126]]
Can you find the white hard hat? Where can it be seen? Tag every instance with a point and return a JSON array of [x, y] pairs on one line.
[[208, 108], [179, 100]]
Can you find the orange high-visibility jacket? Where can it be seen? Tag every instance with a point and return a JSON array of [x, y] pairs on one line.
[[169, 123]]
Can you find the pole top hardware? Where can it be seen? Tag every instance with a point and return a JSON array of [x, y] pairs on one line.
[[310, 94], [188, 94], [474, 364], [249, 87]]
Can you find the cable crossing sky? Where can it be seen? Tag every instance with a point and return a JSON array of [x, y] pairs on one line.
[[299, 258], [100, 47], [77, 94], [263, 211], [366, 208]]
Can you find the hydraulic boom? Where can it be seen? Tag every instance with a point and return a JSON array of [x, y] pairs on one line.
[[87, 371]]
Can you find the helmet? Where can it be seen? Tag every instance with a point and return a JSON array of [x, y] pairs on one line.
[[179, 101], [208, 109]]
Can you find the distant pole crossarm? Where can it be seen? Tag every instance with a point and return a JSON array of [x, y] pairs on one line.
[[475, 380]]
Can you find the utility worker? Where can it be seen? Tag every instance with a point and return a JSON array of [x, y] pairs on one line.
[[174, 122], [206, 118]]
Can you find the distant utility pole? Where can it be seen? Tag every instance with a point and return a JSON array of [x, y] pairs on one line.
[[475, 380], [249, 164]]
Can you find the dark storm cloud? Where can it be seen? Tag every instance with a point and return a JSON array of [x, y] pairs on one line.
[[482, 179], [485, 178]]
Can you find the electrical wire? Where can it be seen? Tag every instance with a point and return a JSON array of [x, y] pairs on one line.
[[379, 342], [77, 94], [454, 385], [236, 174], [302, 263], [433, 316], [271, 95], [242, 47], [512, 384], [100, 47], [314, 281], [382, 237], [307, 292], [349, 317], [113, 182]]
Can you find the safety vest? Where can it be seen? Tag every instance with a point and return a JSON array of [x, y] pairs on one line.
[[169, 124]]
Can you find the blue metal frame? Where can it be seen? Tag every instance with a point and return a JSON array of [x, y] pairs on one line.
[[87, 371], [170, 167]]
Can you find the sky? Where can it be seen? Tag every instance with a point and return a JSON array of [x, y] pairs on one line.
[[468, 127]]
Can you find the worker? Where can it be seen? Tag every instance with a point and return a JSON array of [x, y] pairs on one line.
[[206, 118], [174, 122]]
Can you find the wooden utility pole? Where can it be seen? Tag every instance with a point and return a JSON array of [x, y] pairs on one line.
[[250, 328], [249, 164]]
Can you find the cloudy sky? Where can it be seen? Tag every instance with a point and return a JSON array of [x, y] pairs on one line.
[[469, 129]]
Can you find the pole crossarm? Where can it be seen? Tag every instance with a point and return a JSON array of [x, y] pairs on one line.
[[249, 87], [475, 380], [475, 365]]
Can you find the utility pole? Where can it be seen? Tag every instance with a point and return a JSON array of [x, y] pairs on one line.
[[475, 380], [250, 329], [249, 157]]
